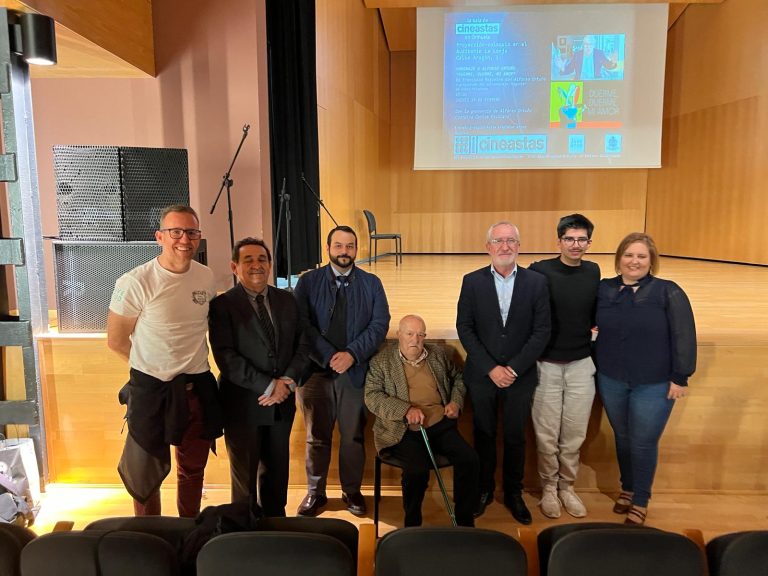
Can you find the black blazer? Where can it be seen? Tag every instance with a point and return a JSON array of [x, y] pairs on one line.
[[241, 350], [487, 341]]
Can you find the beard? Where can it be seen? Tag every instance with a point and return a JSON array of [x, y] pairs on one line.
[[342, 260]]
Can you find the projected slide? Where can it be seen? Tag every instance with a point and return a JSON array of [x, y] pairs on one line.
[[540, 87]]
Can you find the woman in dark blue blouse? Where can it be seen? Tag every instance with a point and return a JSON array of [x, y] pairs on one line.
[[646, 350]]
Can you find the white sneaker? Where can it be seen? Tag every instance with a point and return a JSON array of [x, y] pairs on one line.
[[572, 503], [550, 505]]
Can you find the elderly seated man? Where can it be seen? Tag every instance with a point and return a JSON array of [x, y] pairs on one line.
[[412, 384]]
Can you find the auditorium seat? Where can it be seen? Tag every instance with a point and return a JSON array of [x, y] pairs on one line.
[[548, 537], [374, 236], [170, 528], [343, 530], [274, 554], [449, 551], [739, 554], [98, 553], [625, 552], [13, 539], [360, 542]]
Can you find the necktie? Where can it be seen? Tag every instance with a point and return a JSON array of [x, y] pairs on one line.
[[266, 323]]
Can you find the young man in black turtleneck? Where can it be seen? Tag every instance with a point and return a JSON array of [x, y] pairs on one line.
[[563, 399]]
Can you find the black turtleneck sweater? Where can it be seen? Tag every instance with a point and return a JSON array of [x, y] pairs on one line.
[[572, 294]]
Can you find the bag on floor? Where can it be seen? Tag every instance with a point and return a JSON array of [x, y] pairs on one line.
[[19, 479]]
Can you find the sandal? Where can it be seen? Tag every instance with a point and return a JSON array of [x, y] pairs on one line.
[[636, 516], [623, 503]]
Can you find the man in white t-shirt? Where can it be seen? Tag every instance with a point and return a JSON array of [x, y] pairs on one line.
[[158, 322]]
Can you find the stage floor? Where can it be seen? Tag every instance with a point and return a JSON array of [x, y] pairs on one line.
[[712, 514], [730, 301]]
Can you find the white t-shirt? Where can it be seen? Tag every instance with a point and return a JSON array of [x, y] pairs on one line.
[[172, 312]]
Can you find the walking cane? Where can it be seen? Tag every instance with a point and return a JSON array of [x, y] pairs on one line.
[[439, 476]]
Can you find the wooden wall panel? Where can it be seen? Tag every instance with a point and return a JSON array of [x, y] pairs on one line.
[[714, 441], [450, 211], [708, 200], [353, 109]]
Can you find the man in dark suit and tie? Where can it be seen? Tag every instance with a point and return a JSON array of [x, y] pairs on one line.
[[255, 339], [503, 321]]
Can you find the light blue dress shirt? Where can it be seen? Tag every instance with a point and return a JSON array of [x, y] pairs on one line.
[[504, 289]]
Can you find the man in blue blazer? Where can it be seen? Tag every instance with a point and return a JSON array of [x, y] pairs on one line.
[[257, 345], [345, 317], [503, 321]]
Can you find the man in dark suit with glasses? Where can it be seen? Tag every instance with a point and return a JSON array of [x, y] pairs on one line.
[[503, 322]]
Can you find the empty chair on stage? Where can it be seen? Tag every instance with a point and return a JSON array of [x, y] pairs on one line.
[[374, 236]]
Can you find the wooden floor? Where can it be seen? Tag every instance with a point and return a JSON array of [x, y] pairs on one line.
[[730, 301], [713, 514], [713, 467]]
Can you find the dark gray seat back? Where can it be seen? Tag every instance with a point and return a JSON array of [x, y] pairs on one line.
[[98, 553]]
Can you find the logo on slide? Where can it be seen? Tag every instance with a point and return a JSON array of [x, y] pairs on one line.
[[576, 144], [612, 143], [478, 28], [499, 144]]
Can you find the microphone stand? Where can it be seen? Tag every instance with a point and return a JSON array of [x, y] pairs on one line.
[[319, 200], [227, 182], [319, 203], [285, 208]]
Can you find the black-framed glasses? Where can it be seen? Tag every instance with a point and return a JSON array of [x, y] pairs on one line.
[[176, 233], [570, 241]]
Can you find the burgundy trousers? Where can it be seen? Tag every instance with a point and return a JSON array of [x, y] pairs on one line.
[[191, 458]]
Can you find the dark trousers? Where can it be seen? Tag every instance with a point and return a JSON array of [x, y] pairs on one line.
[[444, 438], [191, 458], [259, 462], [325, 401], [516, 404]]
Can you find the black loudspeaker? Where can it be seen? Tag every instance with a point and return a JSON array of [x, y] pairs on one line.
[[86, 273], [115, 193]]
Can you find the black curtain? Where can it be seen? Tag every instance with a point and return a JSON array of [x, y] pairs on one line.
[[293, 130]]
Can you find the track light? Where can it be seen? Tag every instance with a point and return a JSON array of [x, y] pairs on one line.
[[33, 37]]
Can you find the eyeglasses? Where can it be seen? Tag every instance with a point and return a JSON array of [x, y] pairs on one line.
[[507, 241], [176, 233], [570, 241]]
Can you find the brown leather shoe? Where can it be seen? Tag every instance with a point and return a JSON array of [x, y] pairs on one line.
[[311, 504], [355, 503]]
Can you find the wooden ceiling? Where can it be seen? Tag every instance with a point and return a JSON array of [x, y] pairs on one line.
[[399, 16], [114, 38], [96, 38]]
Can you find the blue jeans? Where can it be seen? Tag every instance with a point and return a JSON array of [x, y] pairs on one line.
[[638, 414]]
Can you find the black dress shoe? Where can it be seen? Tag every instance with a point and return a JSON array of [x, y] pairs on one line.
[[485, 499], [311, 504], [355, 503], [518, 508]]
